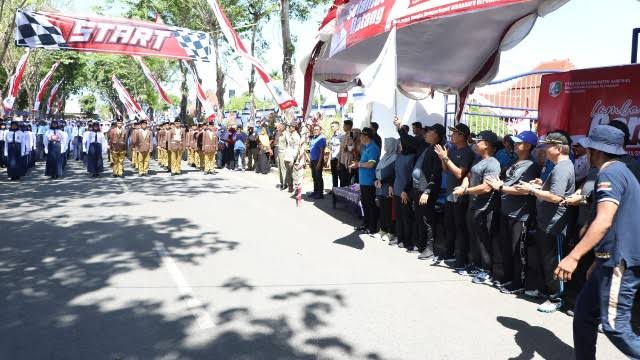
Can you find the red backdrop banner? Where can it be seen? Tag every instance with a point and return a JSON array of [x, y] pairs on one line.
[[576, 101]]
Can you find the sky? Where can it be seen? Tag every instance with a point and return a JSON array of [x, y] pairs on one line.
[[591, 33]]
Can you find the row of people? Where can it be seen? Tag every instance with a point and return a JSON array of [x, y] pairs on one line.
[[490, 216]]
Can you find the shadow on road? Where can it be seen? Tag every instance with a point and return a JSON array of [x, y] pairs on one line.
[[536, 339], [60, 277]]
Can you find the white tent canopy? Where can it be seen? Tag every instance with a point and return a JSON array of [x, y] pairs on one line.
[[446, 45]]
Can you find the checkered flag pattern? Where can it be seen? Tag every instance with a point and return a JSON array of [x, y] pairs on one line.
[[196, 44], [33, 30]]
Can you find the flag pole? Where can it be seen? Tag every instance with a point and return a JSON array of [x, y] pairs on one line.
[[395, 64]]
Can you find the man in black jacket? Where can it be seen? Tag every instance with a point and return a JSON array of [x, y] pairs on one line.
[[427, 179]]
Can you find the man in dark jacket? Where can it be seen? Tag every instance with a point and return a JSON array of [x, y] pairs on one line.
[[427, 180]]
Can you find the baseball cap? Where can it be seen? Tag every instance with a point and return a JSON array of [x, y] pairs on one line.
[[438, 128], [606, 139], [555, 138], [488, 136], [528, 137], [461, 128]]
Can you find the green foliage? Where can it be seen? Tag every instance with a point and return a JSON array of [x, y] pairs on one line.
[[22, 101], [238, 103], [88, 104], [484, 119]]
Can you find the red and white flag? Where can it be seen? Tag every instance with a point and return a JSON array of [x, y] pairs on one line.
[[132, 106], [283, 99], [207, 108], [14, 82], [53, 95], [153, 80], [342, 99], [44, 85]]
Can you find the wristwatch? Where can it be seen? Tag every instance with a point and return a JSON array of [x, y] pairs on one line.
[[500, 188], [445, 159]]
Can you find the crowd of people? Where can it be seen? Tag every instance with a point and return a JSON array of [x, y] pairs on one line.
[[495, 199]]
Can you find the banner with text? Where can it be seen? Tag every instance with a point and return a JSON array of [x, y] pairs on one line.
[[55, 31], [576, 101]]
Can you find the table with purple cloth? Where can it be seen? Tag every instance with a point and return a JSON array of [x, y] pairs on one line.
[[350, 195]]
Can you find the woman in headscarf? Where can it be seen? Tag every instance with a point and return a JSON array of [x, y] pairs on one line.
[[94, 145], [402, 185], [384, 187], [264, 151], [13, 150], [55, 145]]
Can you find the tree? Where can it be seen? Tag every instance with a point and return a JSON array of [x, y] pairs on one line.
[[88, 105], [258, 10], [299, 10], [238, 103]]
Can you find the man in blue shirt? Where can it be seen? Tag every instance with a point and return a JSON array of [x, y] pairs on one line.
[[369, 156], [614, 277], [316, 154]]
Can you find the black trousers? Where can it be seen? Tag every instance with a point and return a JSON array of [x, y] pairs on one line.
[[3, 159], [425, 224], [455, 223], [316, 174], [404, 221], [386, 214], [548, 251], [368, 200], [334, 172], [513, 244], [345, 175], [480, 238]]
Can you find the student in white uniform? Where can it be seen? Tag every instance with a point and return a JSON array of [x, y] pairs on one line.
[[13, 151], [95, 145], [55, 146]]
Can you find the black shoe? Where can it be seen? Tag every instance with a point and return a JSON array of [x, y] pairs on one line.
[[360, 228], [412, 250]]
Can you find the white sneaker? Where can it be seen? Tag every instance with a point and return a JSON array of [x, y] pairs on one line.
[[379, 234], [550, 306], [385, 237]]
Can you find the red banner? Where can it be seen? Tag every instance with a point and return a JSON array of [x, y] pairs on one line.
[[44, 85], [56, 31], [576, 101], [360, 20], [14, 83]]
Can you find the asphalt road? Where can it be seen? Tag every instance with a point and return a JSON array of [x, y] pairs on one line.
[[226, 267]]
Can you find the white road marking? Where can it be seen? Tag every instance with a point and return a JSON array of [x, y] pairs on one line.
[[195, 306]]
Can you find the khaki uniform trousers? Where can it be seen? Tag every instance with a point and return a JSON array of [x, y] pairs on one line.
[[209, 161], [117, 162], [143, 163], [175, 161]]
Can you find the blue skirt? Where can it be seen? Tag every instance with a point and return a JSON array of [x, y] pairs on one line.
[[14, 160], [54, 160], [94, 158]]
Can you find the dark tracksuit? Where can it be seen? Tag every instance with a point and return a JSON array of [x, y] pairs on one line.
[[427, 180]]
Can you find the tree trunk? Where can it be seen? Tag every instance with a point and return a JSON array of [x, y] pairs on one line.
[[288, 78], [185, 93], [252, 78], [9, 36], [220, 89]]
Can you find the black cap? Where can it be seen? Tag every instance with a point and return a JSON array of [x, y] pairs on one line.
[[555, 138], [488, 136], [461, 129], [367, 132], [439, 129]]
